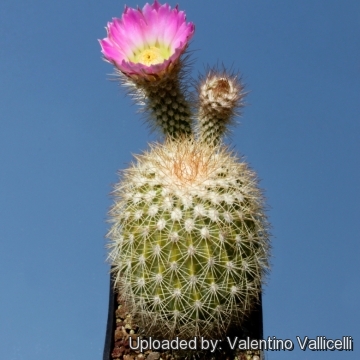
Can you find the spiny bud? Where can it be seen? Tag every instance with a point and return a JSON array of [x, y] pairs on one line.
[[220, 95]]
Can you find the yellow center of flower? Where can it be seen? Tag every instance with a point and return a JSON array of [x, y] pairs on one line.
[[151, 56]]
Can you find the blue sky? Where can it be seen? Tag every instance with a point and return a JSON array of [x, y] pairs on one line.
[[65, 131]]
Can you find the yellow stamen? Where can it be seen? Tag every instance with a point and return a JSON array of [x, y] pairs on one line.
[[150, 56]]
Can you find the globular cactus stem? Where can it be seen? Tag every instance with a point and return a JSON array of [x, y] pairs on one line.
[[189, 239]]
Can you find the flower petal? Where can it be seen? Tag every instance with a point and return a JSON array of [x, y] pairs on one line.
[[147, 41]]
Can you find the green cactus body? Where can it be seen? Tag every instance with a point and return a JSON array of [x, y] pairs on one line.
[[165, 103], [189, 240], [163, 100]]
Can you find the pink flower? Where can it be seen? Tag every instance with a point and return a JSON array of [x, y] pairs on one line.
[[148, 41]]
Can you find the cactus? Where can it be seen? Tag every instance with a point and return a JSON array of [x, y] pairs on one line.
[[189, 240]]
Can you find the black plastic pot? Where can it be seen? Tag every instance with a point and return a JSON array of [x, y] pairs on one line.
[[252, 327], [111, 322]]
